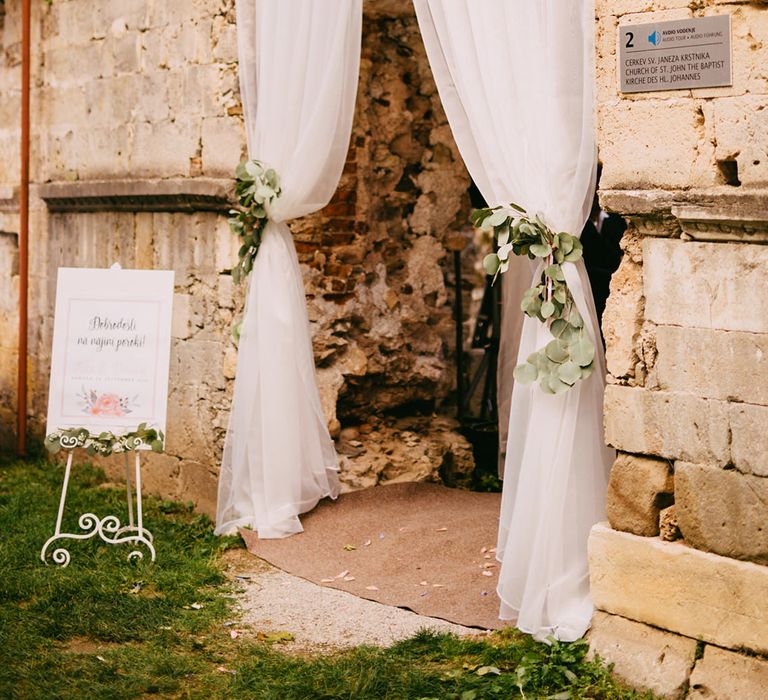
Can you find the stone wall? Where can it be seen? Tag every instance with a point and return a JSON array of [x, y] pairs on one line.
[[686, 328], [136, 129]]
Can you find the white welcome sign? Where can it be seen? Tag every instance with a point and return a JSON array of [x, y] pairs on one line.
[[111, 350]]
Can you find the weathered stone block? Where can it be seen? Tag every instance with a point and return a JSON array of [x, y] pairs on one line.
[[740, 125], [639, 487], [224, 37], [728, 676], [679, 588], [223, 140], [638, 131], [749, 438], [644, 657], [181, 326], [722, 511], [198, 483], [675, 426], [163, 149], [711, 364], [718, 279]]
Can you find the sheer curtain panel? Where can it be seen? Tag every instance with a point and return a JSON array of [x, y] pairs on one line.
[[517, 80], [299, 63]]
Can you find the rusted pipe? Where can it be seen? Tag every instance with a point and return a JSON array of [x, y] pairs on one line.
[[21, 393]]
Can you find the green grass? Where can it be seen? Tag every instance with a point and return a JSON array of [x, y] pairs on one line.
[[106, 628]]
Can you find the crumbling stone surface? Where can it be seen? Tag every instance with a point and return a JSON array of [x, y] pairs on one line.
[[376, 258], [420, 448], [669, 530], [638, 488]]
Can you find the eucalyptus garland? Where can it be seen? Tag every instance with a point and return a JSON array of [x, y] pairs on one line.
[[257, 186], [106, 443], [570, 355]]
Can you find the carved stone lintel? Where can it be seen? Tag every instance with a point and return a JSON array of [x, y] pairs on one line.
[[177, 194], [718, 224], [716, 215]]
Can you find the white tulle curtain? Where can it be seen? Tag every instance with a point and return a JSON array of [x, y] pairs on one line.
[[517, 80], [299, 62]]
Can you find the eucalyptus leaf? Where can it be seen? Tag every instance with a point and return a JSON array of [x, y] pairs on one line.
[[504, 251], [556, 351], [569, 372], [526, 373], [573, 256], [240, 171], [557, 327], [583, 351], [541, 250], [557, 385], [491, 264], [497, 218], [547, 309]]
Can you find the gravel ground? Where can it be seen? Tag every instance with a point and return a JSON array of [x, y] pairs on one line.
[[320, 619]]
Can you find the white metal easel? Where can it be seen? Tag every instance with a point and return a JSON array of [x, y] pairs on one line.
[[108, 527]]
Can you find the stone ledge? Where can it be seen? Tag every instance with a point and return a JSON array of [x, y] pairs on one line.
[[704, 215], [176, 194], [674, 587]]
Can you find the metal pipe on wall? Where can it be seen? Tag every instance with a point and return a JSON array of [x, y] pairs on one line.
[[21, 393]]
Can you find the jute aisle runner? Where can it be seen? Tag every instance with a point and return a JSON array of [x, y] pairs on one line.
[[415, 545]]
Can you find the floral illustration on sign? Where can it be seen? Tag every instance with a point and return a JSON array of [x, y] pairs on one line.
[[105, 404]]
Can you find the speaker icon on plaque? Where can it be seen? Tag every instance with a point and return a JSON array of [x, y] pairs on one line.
[[654, 38]]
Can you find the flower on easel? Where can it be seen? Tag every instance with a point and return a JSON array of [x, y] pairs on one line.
[[105, 404]]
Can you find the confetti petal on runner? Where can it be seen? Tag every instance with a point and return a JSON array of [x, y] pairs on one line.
[[483, 550], [349, 548], [487, 573], [422, 583], [367, 543], [371, 588], [421, 595], [402, 529], [489, 564], [327, 580], [381, 535], [442, 529], [349, 578], [343, 574], [438, 585]]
